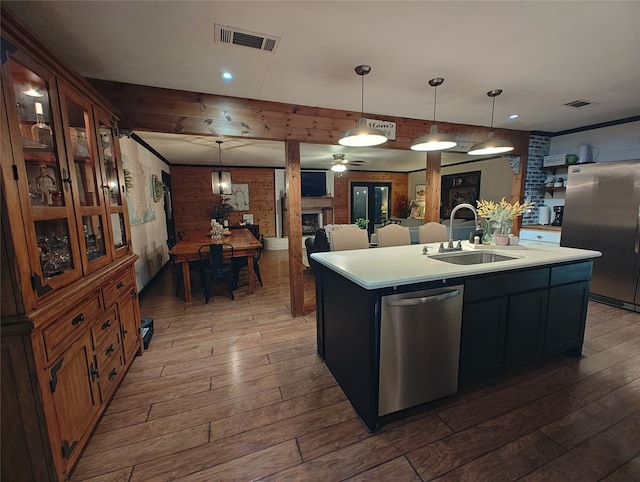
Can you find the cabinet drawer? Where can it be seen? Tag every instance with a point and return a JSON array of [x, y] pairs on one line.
[[571, 273], [110, 377], [57, 336], [504, 284], [540, 236], [105, 328], [108, 351], [123, 283]]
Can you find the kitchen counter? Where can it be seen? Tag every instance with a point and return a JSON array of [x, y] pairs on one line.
[[514, 313], [376, 268]]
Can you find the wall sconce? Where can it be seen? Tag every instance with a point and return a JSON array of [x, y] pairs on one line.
[[220, 180]]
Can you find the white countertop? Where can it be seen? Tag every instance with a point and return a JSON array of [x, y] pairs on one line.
[[401, 265]]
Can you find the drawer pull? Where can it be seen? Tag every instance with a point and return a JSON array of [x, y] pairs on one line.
[[120, 285], [539, 236], [78, 319], [113, 373], [106, 324], [109, 350], [93, 371]]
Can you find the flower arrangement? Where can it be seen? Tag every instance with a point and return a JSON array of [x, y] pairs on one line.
[[220, 208], [501, 214]]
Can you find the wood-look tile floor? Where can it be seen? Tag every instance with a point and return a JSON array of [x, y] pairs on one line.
[[234, 390]]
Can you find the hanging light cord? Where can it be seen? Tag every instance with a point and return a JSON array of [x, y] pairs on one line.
[[492, 109], [435, 97], [362, 97]]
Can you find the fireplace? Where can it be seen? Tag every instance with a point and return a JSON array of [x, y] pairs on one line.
[[311, 221]]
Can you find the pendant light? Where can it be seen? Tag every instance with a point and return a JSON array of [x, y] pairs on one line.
[[220, 180], [491, 145], [363, 136], [434, 141]]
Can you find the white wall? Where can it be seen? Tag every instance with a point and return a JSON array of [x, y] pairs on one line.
[[614, 143], [149, 239], [495, 180]]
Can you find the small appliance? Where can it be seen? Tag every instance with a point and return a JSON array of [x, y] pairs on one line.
[[558, 211]]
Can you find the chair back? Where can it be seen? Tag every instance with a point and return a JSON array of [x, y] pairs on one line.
[[349, 237], [212, 255], [393, 235], [432, 232]]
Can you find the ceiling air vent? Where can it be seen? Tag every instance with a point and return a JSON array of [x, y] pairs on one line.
[[244, 38], [578, 104]]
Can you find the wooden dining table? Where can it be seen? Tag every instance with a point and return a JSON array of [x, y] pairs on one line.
[[245, 245]]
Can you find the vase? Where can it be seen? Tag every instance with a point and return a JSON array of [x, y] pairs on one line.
[[502, 230]]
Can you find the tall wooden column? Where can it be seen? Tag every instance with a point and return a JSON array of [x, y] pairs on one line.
[[432, 194], [294, 226]]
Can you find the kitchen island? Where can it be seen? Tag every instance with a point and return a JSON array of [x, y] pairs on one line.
[[514, 312]]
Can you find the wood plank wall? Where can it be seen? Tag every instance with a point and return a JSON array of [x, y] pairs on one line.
[[192, 197], [342, 191]]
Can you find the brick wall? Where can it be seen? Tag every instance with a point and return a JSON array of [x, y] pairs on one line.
[[534, 178]]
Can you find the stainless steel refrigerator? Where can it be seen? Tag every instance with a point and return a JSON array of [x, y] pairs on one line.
[[602, 212]]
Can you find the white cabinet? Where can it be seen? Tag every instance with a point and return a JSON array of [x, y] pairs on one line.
[[539, 237]]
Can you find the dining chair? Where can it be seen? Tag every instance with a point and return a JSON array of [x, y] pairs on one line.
[[393, 235], [239, 263], [177, 267], [349, 237], [432, 232], [213, 267]]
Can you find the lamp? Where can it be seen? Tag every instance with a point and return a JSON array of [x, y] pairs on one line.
[[434, 141], [220, 180], [491, 145], [363, 136], [339, 163]]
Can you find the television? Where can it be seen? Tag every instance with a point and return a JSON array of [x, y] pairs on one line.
[[314, 184]]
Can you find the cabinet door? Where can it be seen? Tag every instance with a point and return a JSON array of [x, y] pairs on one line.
[[566, 318], [482, 340], [41, 171], [73, 387], [525, 328], [115, 183], [86, 177], [130, 325]]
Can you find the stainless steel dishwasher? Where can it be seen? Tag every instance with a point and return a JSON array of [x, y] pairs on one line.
[[419, 347]]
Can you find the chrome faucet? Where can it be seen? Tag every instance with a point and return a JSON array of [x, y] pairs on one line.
[[453, 212]]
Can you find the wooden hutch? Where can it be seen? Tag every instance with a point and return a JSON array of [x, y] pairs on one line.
[[70, 320]]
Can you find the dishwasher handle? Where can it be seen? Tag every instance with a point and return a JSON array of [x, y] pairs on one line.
[[422, 300]]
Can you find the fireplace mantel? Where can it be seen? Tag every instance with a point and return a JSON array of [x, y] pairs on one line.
[[319, 204]]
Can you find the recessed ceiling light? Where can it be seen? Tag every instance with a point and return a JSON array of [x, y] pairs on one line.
[[513, 116], [226, 75]]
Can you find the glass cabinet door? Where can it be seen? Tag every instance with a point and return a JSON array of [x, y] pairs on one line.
[[87, 179], [43, 178], [115, 185]]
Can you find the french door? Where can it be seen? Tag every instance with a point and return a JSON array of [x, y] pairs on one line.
[[370, 200]]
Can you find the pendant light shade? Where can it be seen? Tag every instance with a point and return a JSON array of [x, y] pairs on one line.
[[491, 145], [363, 136], [434, 141], [220, 180]]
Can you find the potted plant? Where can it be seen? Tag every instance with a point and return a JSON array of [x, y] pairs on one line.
[[500, 216], [362, 223], [220, 209]]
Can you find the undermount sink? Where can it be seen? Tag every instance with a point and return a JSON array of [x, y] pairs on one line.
[[471, 258]]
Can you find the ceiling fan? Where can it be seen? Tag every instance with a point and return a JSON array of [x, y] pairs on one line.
[[340, 162]]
